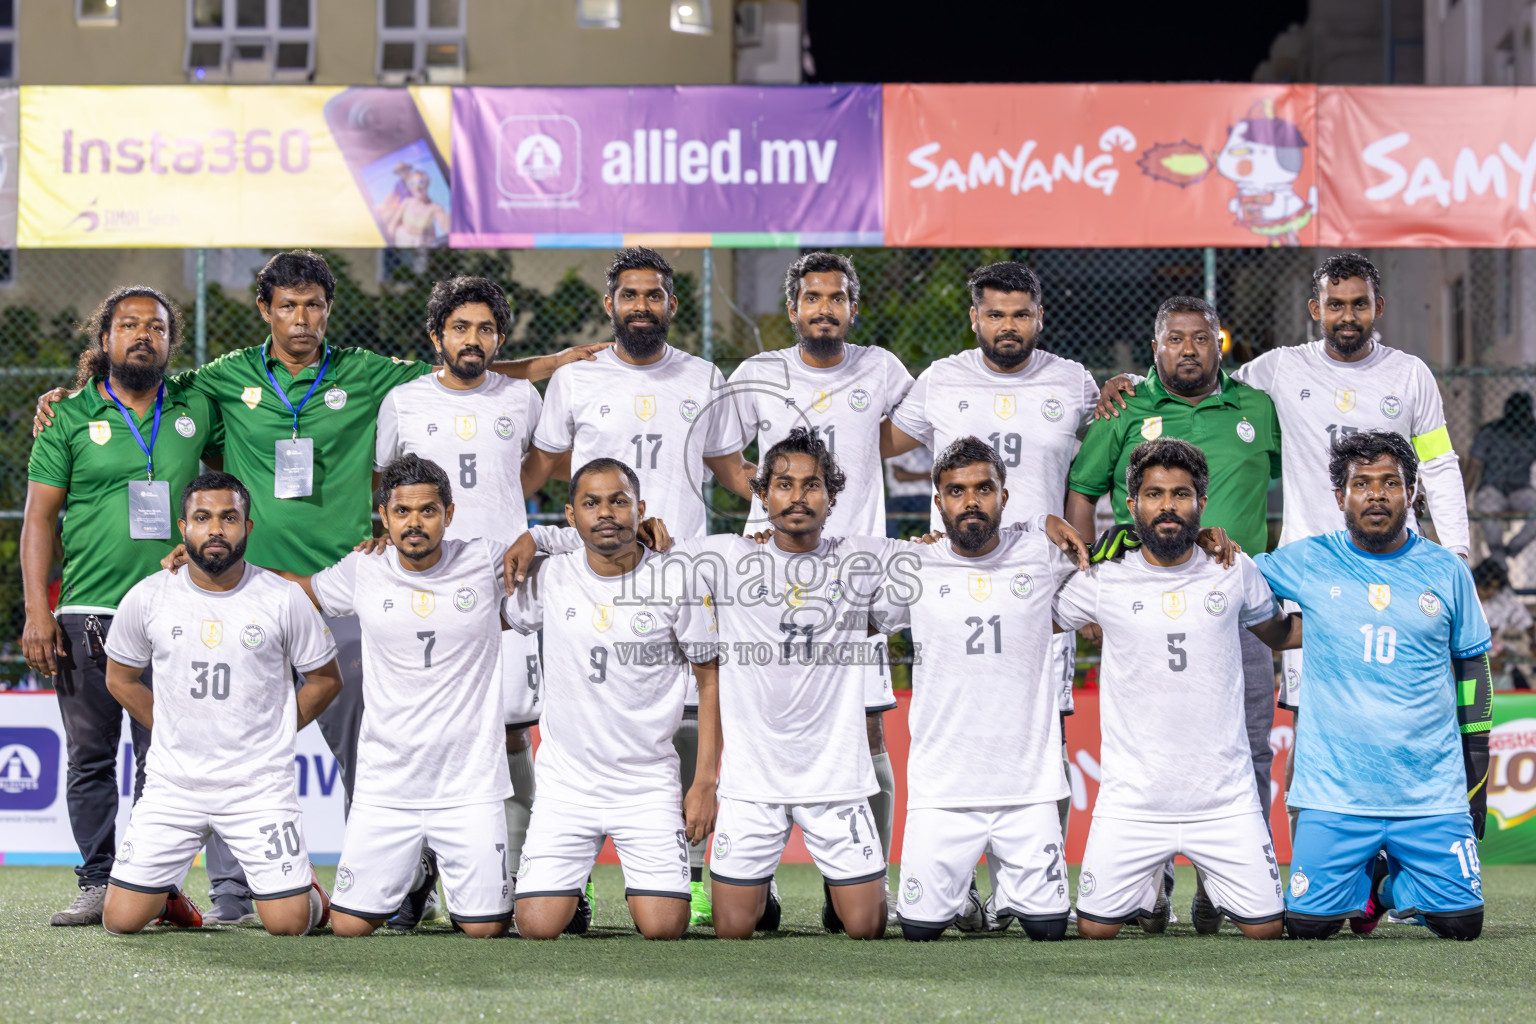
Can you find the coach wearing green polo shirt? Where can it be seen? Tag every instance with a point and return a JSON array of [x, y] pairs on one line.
[[1190, 398], [124, 446]]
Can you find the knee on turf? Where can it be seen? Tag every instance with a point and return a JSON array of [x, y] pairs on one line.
[[1464, 927], [1307, 928], [920, 932], [1051, 930]]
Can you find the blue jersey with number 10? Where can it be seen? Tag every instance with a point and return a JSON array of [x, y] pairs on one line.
[[1377, 733]]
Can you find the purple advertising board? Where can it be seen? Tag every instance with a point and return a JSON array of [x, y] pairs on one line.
[[737, 165]]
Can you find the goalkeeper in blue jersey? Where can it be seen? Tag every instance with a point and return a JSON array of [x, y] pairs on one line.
[[1394, 754]]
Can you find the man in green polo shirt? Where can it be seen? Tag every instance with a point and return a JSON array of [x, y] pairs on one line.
[[125, 444], [1188, 396]]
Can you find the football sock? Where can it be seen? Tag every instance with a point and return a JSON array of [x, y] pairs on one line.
[[696, 874], [519, 807], [883, 804]]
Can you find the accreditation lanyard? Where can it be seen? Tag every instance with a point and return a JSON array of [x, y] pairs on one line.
[[149, 500], [294, 459]]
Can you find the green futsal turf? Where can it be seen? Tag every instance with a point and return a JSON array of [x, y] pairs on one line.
[[1399, 974]]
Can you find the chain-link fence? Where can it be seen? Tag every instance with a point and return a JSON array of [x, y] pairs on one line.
[[1099, 307]]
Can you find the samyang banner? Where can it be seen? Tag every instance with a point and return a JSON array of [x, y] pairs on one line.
[[233, 166], [685, 165], [1100, 165]]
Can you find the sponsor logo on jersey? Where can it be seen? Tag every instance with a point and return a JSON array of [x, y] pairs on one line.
[[1152, 428], [1215, 602], [251, 397], [504, 427], [944, 590], [344, 878], [963, 405], [645, 406], [464, 598], [1085, 884], [1305, 394], [911, 890], [602, 617], [185, 426], [689, 408], [212, 632], [1021, 585], [1334, 591], [422, 602], [1380, 595], [722, 845], [464, 426], [1052, 409], [1299, 885], [1344, 400], [431, 429], [1245, 431], [978, 585], [1173, 603], [821, 401], [125, 851], [175, 632], [101, 431], [642, 623], [1136, 607], [335, 398], [1004, 406], [1429, 604], [858, 399], [1391, 407], [252, 637]]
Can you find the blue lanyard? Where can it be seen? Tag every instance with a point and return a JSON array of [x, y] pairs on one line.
[[284, 397], [147, 449]]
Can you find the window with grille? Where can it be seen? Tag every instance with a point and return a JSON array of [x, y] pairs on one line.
[[250, 40], [421, 41]]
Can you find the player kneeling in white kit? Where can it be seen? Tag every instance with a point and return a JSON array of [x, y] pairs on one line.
[[431, 762], [613, 697], [225, 639], [984, 772], [1177, 770]]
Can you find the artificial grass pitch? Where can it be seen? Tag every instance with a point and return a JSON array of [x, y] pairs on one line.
[[1400, 973]]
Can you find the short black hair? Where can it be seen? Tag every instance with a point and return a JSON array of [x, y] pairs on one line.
[[967, 451], [603, 465], [638, 257], [449, 295], [1342, 266], [1167, 453], [411, 469], [802, 441], [820, 263], [1368, 446], [293, 269], [214, 480], [1185, 304], [1003, 277], [94, 361]]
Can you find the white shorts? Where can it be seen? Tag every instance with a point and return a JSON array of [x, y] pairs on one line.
[[383, 845], [1061, 668], [1290, 671], [1123, 867], [522, 679], [941, 847], [161, 843], [878, 693], [750, 838], [564, 840]]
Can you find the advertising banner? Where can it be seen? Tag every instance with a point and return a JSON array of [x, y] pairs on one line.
[[10, 133], [686, 165], [1100, 165], [1510, 837], [1427, 167], [233, 166]]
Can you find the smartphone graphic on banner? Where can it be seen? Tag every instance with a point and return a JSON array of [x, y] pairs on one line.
[[395, 163]]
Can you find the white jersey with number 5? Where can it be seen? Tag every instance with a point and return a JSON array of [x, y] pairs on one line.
[[1175, 746], [432, 731], [225, 712]]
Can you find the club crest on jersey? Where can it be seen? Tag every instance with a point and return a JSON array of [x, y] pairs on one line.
[[911, 890], [504, 427], [1429, 604], [642, 623], [1215, 602], [1299, 885], [1022, 584], [464, 426], [464, 598], [1052, 409], [821, 401], [101, 431], [335, 398], [212, 632], [1245, 431], [1152, 428], [602, 617], [858, 399], [794, 594], [251, 397], [185, 426], [1085, 884], [689, 408], [422, 602], [252, 637], [835, 590], [1380, 595], [1173, 603], [645, 406], [978, 585], [1344, 400], [1004, 406], [1391, 407]]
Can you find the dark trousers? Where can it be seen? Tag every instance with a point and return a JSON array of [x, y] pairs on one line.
[[93, 722], [339, 724]]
